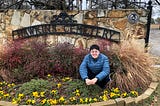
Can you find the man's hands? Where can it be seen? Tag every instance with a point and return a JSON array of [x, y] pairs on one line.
[[91, 82]]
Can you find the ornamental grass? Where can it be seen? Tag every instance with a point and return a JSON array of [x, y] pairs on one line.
[[131, 66]]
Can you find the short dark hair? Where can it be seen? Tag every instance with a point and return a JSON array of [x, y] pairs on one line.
[[94, 46]]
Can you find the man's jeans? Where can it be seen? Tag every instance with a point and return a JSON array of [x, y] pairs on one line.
[[101, 83]]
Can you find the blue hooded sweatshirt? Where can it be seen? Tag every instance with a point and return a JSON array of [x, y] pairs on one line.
[[99, 66]]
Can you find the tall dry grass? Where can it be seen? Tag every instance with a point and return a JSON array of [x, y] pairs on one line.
[[132, 68]]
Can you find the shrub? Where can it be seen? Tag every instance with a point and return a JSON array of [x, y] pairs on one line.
[[34, 85], [105, 46], [78, 56], [86, 91], [26, 60], [67, 59], [11, 56], [62, 57], [38, 59]]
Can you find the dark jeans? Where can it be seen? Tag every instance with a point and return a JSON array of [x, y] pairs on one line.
[[101, 83]]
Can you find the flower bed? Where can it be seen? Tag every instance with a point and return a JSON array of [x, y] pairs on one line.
[[65, 91], [28, 63]]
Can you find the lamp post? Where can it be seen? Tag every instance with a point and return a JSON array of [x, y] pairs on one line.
[[148, 22]]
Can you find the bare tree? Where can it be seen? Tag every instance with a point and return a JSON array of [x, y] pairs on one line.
[[157, 20], [72, 4], [33, 4], [158, 2]]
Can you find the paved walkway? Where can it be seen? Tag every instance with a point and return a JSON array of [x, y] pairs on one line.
[[154, 42]]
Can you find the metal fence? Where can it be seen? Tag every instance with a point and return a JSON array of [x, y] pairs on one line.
[[72, 4]]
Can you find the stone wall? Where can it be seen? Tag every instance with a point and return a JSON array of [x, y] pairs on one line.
[[112, 19]]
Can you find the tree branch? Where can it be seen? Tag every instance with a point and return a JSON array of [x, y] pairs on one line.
[[158, 2]]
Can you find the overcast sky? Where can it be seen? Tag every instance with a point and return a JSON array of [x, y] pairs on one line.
[[156, 9]]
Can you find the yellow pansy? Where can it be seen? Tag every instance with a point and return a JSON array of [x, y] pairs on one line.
[[104, 98], [90, 99], [95, 99], [77, 92], [33, 101], [29, 101], [6, 95], [35, 94], [86, 100], [42, 94], [13, 84], [49, 75], [105, 92], [61, 99], [4, 83], [54, 92], [72, 99], [59, 85], [66, 79], [20, 95], [53, 101], [116, 90], [14, 101], [81, 100], [1, 92], [123, 95], [134, 93], [112, 95], [43, 101]]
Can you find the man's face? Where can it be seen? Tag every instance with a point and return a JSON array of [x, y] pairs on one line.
[[94, 53]]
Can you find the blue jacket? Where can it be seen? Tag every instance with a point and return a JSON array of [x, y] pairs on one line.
[[99, 66]]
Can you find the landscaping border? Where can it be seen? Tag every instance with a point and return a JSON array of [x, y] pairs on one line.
[[113, 102]]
